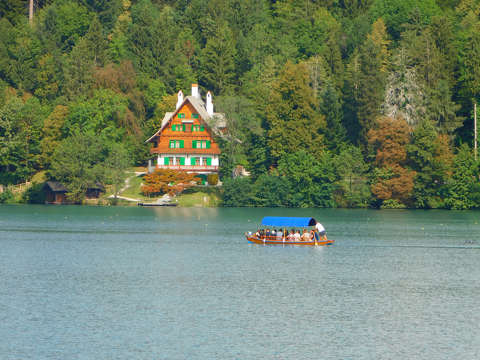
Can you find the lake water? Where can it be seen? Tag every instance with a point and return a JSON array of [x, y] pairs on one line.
[[178, 283]]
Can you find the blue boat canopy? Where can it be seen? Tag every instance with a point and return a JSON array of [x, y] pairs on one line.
[[288, 221]]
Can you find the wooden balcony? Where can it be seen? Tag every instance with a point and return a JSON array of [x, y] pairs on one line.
[[214, 150], [193, 168]]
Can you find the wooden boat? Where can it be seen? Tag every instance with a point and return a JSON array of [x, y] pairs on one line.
[[287, 222], [264, 241]]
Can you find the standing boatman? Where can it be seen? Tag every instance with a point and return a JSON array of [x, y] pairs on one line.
[[321, 231]]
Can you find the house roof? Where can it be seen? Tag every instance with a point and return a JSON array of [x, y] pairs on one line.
[[217, 123], [56, 186]]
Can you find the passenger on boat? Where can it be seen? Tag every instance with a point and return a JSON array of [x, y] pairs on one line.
[[321, 231], [279, 235], [305, 235], [267, 233], [273, 233], [290, 235], [262, 233], [297, 236], [257, 234]]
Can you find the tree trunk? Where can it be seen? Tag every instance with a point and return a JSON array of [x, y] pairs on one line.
[[30, 12]]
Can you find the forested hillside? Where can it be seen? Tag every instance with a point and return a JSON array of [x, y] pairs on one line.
[[348, 103]]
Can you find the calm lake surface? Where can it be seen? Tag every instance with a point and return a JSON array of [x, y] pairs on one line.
[[176, 283]]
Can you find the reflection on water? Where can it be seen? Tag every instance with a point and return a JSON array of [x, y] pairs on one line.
[[183, 283]]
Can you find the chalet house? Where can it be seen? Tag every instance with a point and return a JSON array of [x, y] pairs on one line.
[[185, 139]]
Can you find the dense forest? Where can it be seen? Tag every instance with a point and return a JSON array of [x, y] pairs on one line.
[[349, 103]]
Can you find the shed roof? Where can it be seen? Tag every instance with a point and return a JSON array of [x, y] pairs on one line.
[[56, 186]]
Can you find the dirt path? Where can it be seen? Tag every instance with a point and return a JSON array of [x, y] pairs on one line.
[[127, 184]]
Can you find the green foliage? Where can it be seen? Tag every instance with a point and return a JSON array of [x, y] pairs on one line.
[[398, 13], [115, 166], [352, 189], [431, 169], [237, 192], [464, 192], [103, 114], [78, 163], [271, 191], [6, 196], [310, 179], [13, 10], [63, 23], [35, 194], [218, 61], [392, 204], [293, 121], [20, 132]]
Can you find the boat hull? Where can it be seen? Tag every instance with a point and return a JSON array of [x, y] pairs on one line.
[[255, 240]]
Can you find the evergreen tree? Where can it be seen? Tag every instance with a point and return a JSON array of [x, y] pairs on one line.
[[293, 121], [427, 157], [52, 134], [218, 62], [62, 24], [95, 42], [352, 98], [352, 187], [78, 71], [47, 82], [373, 66], [464, 190], [331, 107]]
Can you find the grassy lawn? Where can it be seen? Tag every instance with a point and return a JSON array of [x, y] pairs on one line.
[[198, 199], [133, 189]]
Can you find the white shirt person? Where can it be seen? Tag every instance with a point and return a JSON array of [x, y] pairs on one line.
[[320, 229]]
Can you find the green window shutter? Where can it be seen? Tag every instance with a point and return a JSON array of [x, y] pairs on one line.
[[173, 127], [182, 161], [192, 161], [165, 161], [202, 128], [209, 161], [194, 144], [183, 127], [170, 144], [208, 144], [195, 116], [181, 144]]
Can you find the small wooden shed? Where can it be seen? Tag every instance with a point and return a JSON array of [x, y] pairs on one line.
[[94, 191], [55, 193]]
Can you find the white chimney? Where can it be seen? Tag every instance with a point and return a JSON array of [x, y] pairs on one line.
[[195, 91], [180, 99], [209, 104]]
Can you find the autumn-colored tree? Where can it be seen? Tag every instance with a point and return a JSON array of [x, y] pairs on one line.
[[392, 182], [166, 181]]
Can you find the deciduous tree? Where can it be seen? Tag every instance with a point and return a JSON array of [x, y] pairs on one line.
[[166, 181]]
